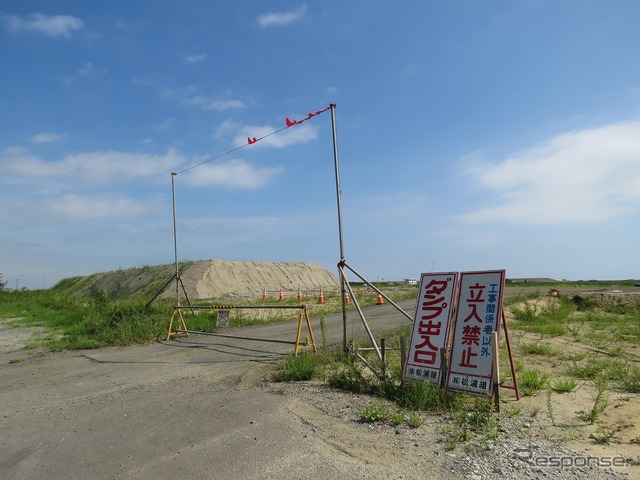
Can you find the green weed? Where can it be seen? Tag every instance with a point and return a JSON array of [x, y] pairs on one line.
[[513, 410], [550, 408], [600, 402], [537, 348], [588, 369], [415, 420], [301, 368], [631, 382], [564, 386], [531, 381], [603, 437], [374, 413]]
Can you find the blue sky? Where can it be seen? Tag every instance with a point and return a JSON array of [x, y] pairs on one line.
[[472, 135]]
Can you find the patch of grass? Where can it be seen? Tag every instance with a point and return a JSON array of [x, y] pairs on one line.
[[600, 402], [348, 377], [617, 369], [549, 320], [480, 416], [415, 420], [586, 369], [86, 322], [571, 434], [513, 410], [564, 386], [631, 382], [531, 381], [397, 417], [537, 348], [425, 396], [603, 436], [380, 412], [301, 368], [374, 413]]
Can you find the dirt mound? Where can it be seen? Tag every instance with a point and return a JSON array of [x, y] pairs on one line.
[[230, 279], [208, 279]]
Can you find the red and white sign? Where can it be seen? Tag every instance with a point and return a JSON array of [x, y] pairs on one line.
[[477, 317], [431, 326]]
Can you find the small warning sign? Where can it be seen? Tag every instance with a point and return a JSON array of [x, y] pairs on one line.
[[223, 318]]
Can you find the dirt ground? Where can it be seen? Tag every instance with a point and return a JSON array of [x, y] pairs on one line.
[[204, 407], [623, 411]]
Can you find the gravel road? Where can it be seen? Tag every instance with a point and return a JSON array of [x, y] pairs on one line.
[[203, 407]]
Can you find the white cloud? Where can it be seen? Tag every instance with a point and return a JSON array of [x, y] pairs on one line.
[[583, 176], [193, 97], [233, 174], [50, 25], [54, 207], [281, 19], [196, 58], [88, 70], [167, 124], [217, 104], [225, 128], [46, 137], [92, 167], [296, 134], [78, 208]]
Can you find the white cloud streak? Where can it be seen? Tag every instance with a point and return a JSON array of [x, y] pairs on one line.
[[281, 19], [196, 58], [46, 137], [96, 168], [579, 177], [232, 174], [296, 134], [78, 208], [49, 25], [88, 70], [192, 96]]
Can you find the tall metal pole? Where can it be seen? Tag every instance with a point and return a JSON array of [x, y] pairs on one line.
[[175, 237], [337, 168], [339, 200]]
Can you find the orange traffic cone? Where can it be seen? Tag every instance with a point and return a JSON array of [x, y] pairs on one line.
[[264, 294], [380, 300], [281, 295], [299, 295], [347, 300], [321, 299]]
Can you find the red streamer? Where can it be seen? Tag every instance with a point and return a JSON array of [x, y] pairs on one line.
[[289, 123]]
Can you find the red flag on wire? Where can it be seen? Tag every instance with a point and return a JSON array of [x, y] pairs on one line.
[[289, 123]]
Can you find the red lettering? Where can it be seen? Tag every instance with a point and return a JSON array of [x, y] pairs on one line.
[[425, 330], [466, 358], [471, 335]]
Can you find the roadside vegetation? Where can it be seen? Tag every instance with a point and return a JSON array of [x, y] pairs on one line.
[[561, 344], [77, 315]]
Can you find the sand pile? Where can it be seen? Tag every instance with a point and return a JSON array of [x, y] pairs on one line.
[[235, 279]]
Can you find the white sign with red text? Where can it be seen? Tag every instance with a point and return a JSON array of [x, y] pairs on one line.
[[479, 309], [431, 326]]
